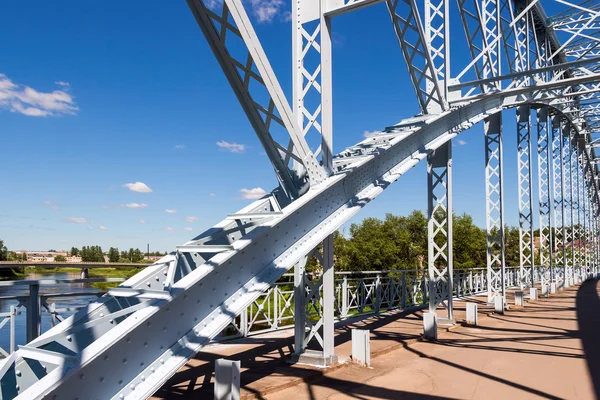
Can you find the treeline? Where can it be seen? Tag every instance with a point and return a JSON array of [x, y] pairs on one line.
[[400, 242]]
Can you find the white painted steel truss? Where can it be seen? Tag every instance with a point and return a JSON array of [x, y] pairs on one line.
[[129, 342]]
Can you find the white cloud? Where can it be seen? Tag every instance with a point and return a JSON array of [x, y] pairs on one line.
[[169, 228], [139, 187], [28, 101], [180, 146], [191, 219], [141, 221], [212, 195], [52, 206], [266, 10], [187, 228], [77, 220], [461, 142], [231, 147], [253, 194], [134, 205], [368, 134], [169, 211], [63, 84], [103, 228]]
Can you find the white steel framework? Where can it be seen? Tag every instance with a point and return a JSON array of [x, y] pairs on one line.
[[129, 342]]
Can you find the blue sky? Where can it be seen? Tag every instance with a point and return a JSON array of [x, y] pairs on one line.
[[118, 107]]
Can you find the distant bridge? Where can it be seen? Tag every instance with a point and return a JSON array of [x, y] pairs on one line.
[[13, 264]]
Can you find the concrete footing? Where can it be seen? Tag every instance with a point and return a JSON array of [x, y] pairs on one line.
[[553, 288], [519, 301], [499, 304], [471, 313], [430, 326], [361, 346], [533, 294], [227, 379], [314, 357]]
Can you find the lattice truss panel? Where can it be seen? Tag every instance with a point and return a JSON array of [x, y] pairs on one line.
[[419, 57], [525, 174], [567, 203], [545, 201], [557, 193], [229, 32], [494, 205], [439, 227]]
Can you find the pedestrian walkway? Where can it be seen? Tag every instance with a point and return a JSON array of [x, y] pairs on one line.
[[548, 349]]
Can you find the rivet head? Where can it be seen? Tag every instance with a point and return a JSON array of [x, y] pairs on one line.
[[82, 376], [69, 338], [18, 372], [124, 361], [102, 379], [132, 387]]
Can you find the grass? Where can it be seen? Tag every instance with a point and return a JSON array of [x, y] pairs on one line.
[[93, 273]]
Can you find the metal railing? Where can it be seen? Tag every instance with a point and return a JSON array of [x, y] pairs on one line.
[[35, 303], [360, 293], [357, 293]]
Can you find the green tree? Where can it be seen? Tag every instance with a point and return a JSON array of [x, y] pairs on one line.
[[113, 254], [74, 251], [60, 258], [3, 251], [470, 245]]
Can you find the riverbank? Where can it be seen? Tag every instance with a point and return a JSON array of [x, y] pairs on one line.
[[125, 273]]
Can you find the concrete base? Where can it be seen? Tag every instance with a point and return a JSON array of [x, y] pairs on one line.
[[533, 294], [445, 321], [314, 357], [361, 346], [519, 301], [545, 290], [553, 288], [430, 326], [471, 313], [499, 304], [227, 379]]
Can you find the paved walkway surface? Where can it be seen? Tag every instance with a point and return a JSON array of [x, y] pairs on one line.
[[547, 349]]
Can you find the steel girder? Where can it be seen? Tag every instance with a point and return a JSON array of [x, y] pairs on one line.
[[439, 228], [546, 247], [494, 201], [525, 192]]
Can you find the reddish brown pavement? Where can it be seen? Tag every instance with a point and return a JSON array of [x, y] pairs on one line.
[[545, 350]]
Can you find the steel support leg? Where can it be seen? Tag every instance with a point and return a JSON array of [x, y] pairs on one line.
[[545, 200], [314, 307], [440, 260], [558, 184], [567, 205], [494, 185], [524, 159]]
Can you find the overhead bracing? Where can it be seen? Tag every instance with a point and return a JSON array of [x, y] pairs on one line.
[[129, 342]]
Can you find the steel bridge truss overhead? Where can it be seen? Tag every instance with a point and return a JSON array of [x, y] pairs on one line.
[[129, 342]]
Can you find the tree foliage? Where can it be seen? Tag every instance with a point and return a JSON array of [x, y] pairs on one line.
[[92, 254]]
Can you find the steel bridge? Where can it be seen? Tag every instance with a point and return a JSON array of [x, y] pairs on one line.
[[543, 69]]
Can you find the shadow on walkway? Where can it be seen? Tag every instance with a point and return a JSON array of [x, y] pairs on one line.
[[588, 318]]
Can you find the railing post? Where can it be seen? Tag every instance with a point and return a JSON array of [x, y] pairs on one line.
[[345, 296], [403, 282], [244, 322], [34, 309], [275, 307], [377, 293], [13, 314]]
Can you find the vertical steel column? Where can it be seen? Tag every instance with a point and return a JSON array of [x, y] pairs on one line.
[[34, 310], [299, 307], [545, 199], [494, 185], [574, 208], [328, 299], [524, 160], [575, 162], [557, 180], [439, 229], [567, 214]]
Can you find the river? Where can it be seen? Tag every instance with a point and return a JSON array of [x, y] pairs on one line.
[[22, 290]]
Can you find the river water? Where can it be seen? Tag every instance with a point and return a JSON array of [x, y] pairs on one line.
[[23, 290]]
